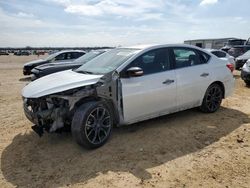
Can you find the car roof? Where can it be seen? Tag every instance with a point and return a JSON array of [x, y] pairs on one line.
[[100, 50], [242, 46], [67, 51], [63, 51], [155, 46], [237, 40], [214, 50]]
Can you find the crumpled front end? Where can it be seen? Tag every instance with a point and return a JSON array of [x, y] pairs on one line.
[[48, 114], [54, 112], [50, 102]]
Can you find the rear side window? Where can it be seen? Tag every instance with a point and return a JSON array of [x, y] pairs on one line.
[[185, 57], [76, 55], [219, 54]]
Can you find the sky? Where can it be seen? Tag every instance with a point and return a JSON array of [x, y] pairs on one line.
[[82, 23]]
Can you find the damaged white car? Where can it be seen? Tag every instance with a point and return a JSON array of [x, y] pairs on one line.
[[124, 86]]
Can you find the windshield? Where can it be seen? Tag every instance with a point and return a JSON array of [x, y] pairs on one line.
[[108, 61], [87, 57], [247, 54]]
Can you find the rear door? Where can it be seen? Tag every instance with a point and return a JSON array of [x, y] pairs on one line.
[[193, 75], [152, 94]]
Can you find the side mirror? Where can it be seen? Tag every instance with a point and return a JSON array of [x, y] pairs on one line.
[[135, 72]]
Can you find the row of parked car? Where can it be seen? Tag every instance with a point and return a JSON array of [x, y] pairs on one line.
[[240, 50], [242, 63], [24, 52], [122, 86], [72, 59]]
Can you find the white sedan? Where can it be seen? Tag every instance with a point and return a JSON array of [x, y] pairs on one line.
[[124, 86], [223, 55]]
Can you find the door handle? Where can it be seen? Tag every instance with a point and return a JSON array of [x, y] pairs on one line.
[[204, 74], [168, 82]]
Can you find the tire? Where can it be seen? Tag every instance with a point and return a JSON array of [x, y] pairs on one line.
[[212, 99], [92, 124], [247, 82]]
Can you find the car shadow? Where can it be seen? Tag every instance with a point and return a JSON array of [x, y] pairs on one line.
[[55, 160], [25, 79], [237, 76]]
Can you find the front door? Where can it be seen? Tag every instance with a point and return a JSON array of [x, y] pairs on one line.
[[152, 94]]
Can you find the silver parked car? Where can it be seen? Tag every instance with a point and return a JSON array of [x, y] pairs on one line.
[[124, 86]]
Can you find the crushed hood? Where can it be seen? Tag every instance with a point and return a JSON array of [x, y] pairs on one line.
[[58, 82]]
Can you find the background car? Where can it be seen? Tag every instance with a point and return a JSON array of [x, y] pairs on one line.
[[50, 68], [62, 56], [245, 73], [22, 53], [233, 42], [241, 60], [4, 53], [125, 86], [238, 50], [222, 55]]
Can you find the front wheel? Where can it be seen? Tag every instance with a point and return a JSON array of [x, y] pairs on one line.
[[247, 82], [212, 99], [92, 124]]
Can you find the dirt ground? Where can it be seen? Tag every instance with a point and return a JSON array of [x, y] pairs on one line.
[[186, 149]]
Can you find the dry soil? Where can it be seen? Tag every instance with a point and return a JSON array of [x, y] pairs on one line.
[[185, 149]]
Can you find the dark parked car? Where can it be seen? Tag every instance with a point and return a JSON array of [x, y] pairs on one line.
[[22, 53], [62, 56], [50, 68], [245, 73], [241, 60], [4, 53], [233, 42], [238, 50]]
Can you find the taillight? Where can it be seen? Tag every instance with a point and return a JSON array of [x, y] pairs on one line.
[[231, 67]]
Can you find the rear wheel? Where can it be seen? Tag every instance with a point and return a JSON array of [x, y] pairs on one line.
[[92, 124], [212, 99]]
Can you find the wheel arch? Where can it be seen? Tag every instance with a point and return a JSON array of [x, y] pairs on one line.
[[108, 102], [221, 85]]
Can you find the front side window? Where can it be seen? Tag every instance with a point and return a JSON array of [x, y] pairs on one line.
[[185, 57], [75, 55], [153, 61]]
